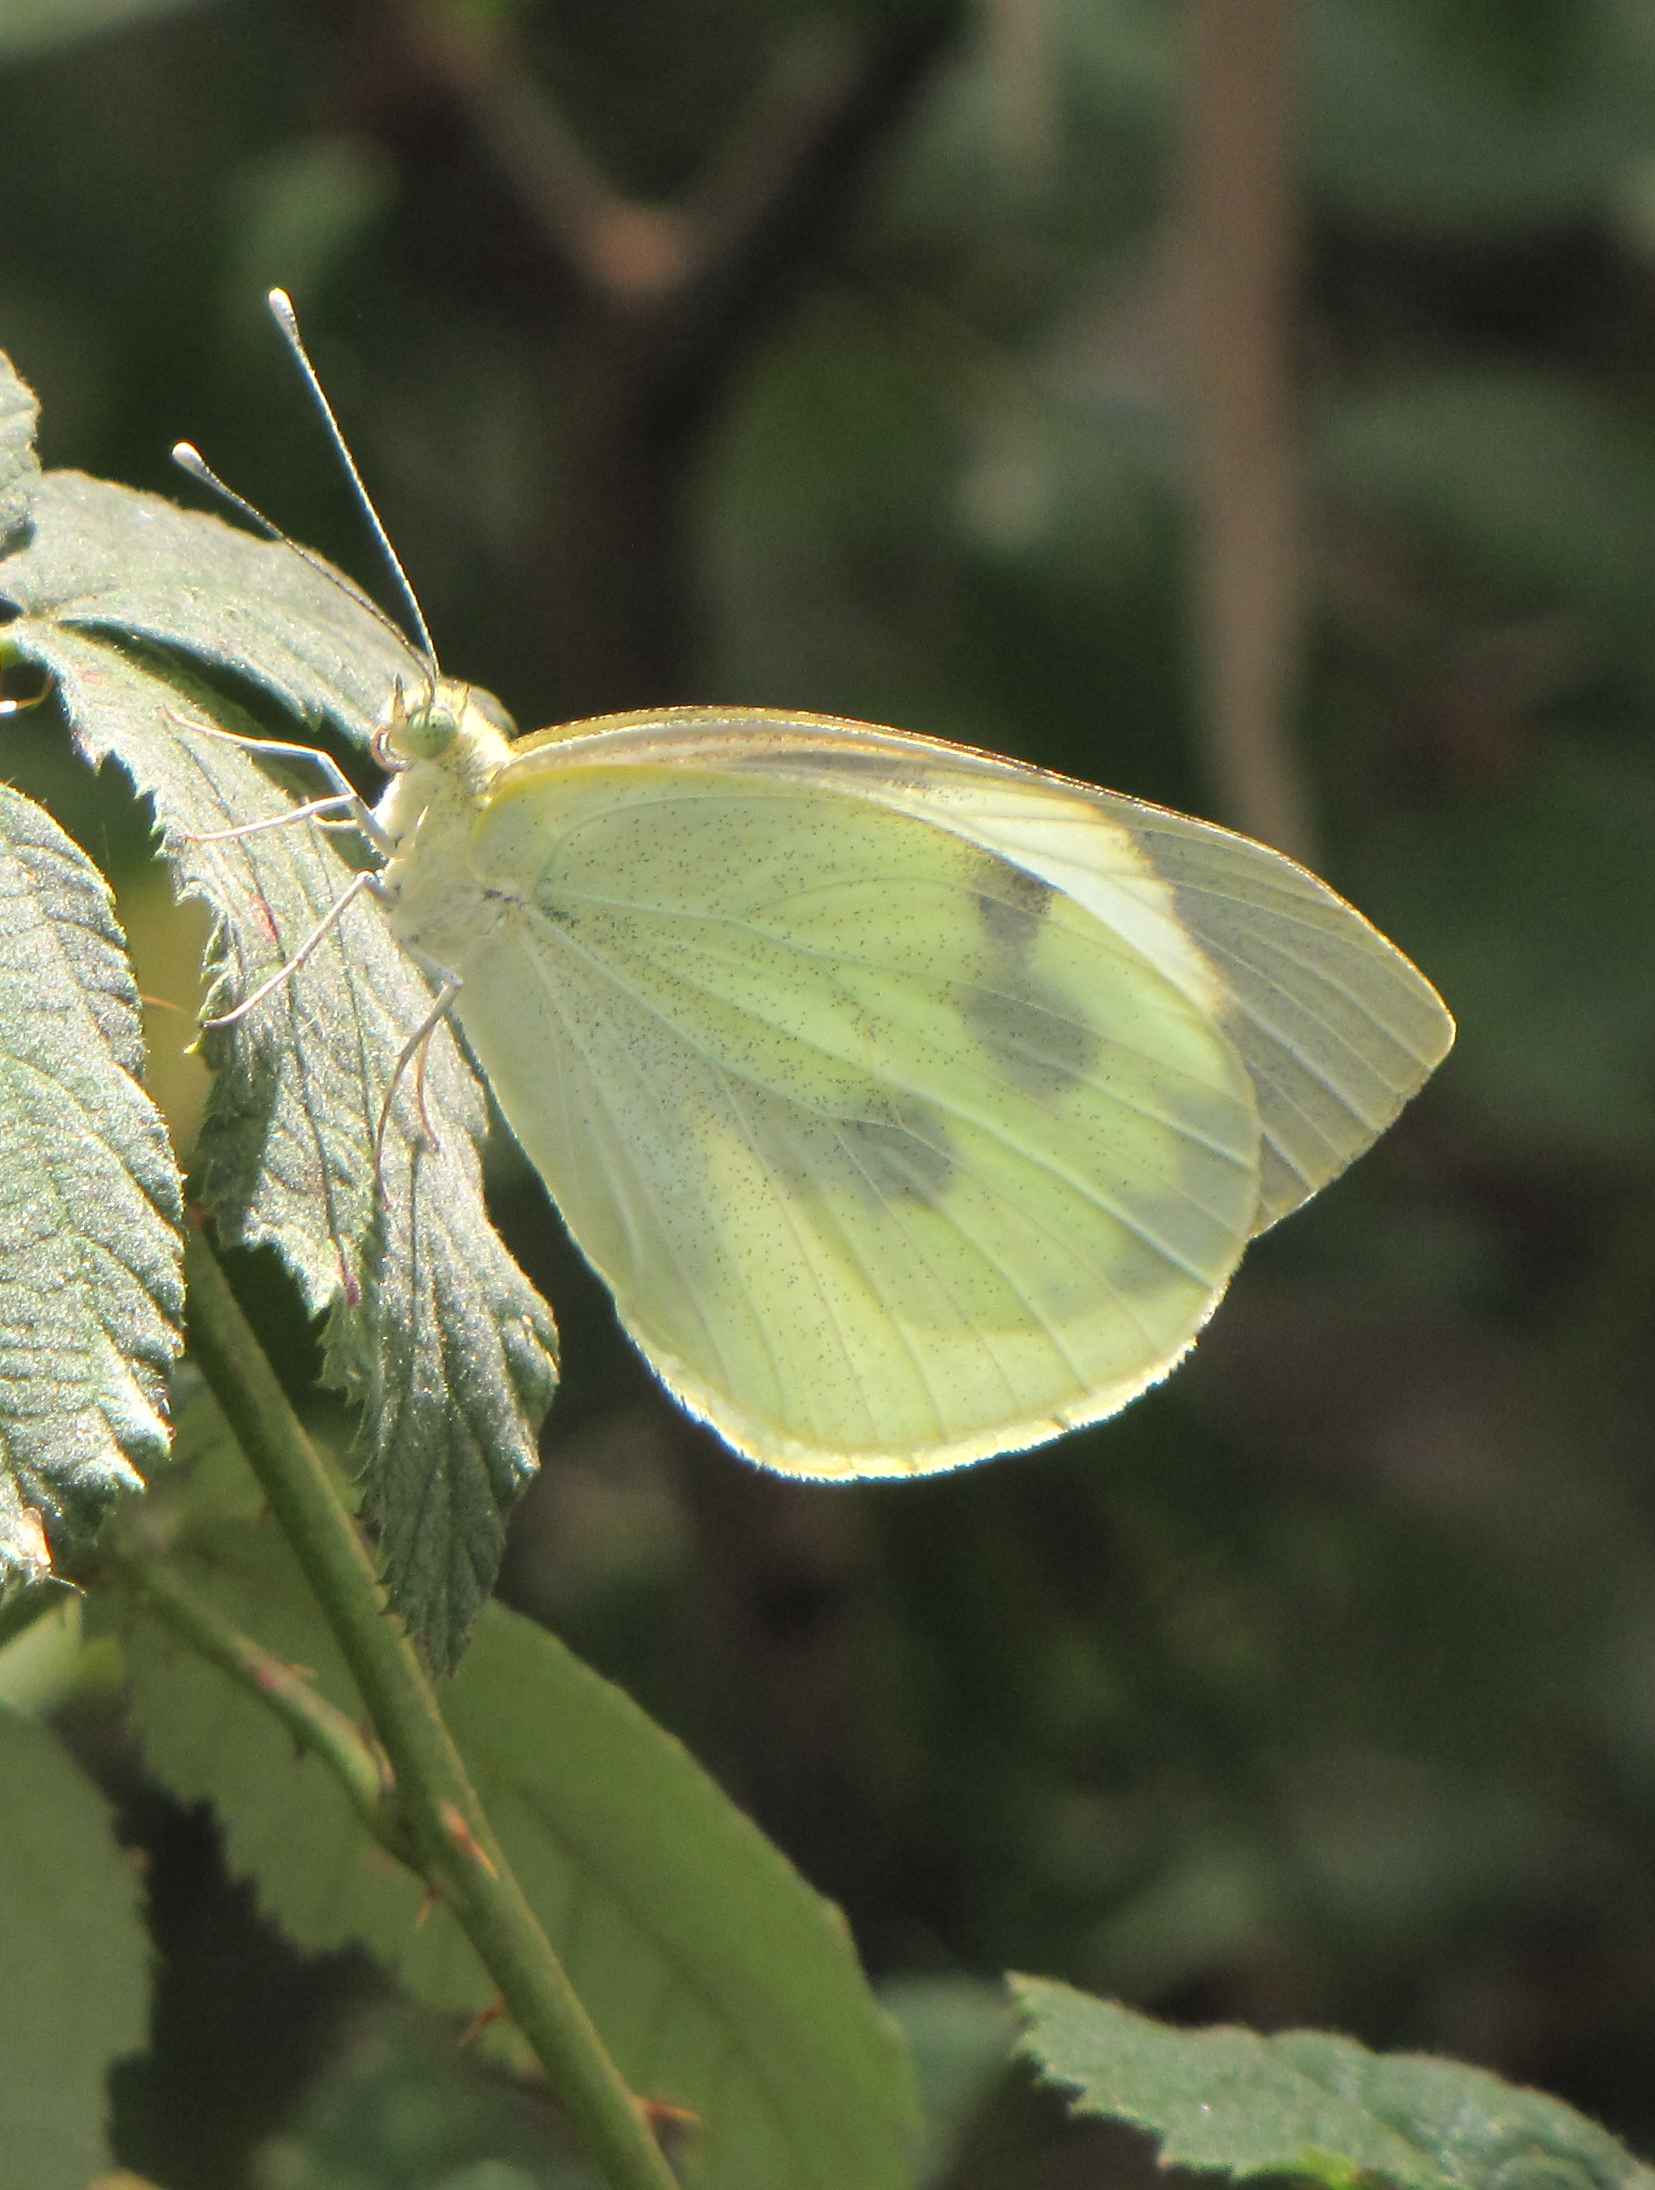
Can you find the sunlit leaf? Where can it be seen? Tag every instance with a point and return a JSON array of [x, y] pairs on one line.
[[430, 1323], [91, 1209], [19, 466]]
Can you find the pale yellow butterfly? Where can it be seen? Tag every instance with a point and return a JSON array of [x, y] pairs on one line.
[[914, 1104]]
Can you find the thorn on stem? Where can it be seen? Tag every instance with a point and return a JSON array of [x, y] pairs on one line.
[[455, 1826], [495, 2012]]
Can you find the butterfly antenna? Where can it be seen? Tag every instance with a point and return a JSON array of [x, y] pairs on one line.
[[287, 319], [189, 459]]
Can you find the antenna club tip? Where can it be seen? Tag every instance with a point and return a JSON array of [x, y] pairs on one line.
[[186, 453], [281, 306]]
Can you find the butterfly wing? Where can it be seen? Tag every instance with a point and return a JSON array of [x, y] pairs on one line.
[[1336, 1028], [894, 1151]]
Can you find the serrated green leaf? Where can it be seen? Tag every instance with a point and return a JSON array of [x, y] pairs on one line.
[[431, 1325], [1311, 2104], [19, 466], [76, 1995], [136, 567], [720, 1982], [91, 1208]]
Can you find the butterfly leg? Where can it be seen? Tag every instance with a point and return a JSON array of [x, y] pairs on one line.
[[285, 972], [333, 804], [343, 798], [415, 1051]]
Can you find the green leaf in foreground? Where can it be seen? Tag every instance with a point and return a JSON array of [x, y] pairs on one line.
[[19, 466], [719, 1981], [1310, 2104], [431, 1325], [91, 1209], [76, 1954]]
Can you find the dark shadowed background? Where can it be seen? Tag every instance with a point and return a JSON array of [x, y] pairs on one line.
[[1249, 408]]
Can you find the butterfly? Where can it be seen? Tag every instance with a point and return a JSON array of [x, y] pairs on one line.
[[915, 1105]]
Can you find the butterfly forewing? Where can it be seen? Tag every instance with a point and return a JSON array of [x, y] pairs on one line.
[[1336, 1027]]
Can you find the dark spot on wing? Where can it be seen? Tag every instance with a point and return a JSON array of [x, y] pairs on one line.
[[1040, 1044], [1012, 907], [904, 1156], [886, 1150]]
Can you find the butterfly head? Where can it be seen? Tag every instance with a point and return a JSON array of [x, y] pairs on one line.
[[451, 725]]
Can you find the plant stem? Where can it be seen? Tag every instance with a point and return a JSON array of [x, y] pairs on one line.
[[315, 1724], [440, 1813]]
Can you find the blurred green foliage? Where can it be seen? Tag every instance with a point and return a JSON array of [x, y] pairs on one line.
[[1317, 1688]]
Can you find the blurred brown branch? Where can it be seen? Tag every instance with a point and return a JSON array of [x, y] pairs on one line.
[[1240, 240], [655, 304], [789, 167]]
